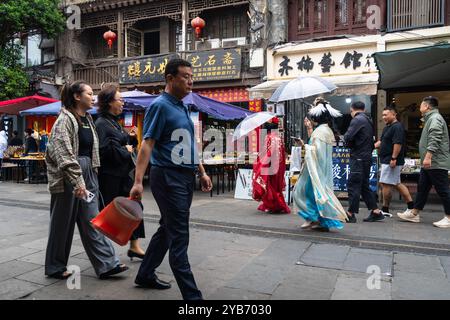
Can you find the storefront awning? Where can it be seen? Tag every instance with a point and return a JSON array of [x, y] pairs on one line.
[[14, 106], [414, 67], [347, 86]]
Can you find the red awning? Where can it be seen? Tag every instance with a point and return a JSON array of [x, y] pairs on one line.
[[14, 106]]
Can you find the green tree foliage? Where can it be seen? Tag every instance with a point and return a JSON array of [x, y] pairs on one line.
[[18, 18]]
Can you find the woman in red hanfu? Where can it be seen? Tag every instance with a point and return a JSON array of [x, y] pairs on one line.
[[268, 172]]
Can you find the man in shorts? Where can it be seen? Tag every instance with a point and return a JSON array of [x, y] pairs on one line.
[[392, 159]]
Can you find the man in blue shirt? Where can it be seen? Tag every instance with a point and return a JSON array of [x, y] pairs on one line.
[[170, 143]]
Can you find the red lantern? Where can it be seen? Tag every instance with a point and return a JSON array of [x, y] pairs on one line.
[[198, 24], [109, 36]]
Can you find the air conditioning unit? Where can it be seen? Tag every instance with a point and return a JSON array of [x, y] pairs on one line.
[[233, 42], [207, 44]]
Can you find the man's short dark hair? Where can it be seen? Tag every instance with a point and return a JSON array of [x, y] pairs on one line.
[[29, 131], [358, 105], [173, 65], [390, 108], [432, 101]]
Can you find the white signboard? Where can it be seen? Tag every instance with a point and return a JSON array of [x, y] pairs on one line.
[[244, 186]]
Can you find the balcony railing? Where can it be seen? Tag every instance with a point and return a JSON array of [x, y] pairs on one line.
[[412, 14]]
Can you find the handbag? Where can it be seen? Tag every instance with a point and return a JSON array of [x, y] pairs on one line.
[[119, 219]]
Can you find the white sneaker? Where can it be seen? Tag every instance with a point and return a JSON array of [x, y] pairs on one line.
[[306, 225], [444, 223], [387, 214], [409, 216]]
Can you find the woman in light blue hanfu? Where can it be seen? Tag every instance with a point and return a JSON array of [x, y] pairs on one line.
[[313, 195]]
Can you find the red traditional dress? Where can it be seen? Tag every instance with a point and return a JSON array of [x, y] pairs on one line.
[[268, 176]]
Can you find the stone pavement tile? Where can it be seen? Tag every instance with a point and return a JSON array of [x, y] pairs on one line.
[[416, 286], [382, 229], [15, 289], [359, 259], [12, 253], [445, 262], [306, 283], [423, 265], [37, 258], [325, 255], [38, 277], [355, 287], [40, 244], [277, 261], [226, 293], [82, 255], [15, 268], [216, 270], [94, 289]]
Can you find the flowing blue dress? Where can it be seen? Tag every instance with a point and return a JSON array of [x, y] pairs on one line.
[[313, 195]]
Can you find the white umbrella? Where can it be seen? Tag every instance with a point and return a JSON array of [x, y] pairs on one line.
[[302, 87], [251, 122]]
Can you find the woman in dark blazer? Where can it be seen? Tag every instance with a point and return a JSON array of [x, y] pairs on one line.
[[115, 178]]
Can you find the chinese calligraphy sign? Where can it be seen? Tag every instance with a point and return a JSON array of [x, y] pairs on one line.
[[147, 69], [215, 65], [341, 170]]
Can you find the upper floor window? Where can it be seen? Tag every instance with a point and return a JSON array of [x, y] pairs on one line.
[[303, 15], [359, 11], [320, 14], [310, 18], [341, 13]]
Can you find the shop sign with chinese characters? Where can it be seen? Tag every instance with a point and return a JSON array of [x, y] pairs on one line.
[[324, 63], [221, 64], [341, 169], [226, 94], [146, 69]]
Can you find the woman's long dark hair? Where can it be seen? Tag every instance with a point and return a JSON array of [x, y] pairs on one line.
[[67, 96], [325, 118], [106, 96]]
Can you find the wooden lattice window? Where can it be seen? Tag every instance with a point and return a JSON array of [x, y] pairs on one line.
[[341, 13], [359, 11], [320, 14], [303, 15]]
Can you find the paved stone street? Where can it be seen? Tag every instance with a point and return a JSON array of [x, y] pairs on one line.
[[237, 252]]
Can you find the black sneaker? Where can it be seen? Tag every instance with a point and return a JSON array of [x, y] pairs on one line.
[[373, 217], [351, 219]]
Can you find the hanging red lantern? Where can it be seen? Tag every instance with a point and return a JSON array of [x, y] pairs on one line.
[[198, 24], [109, 36]]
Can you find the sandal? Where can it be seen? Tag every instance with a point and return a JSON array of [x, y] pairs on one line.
[[60, 275], [118, 269]]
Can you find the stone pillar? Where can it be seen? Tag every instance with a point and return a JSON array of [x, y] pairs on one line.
[[164, 35], [381, 104], [278, 21], [120, 35]]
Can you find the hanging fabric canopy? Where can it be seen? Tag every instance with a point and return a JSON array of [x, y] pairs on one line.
[[15, 106], [215, 109], [52, 109]]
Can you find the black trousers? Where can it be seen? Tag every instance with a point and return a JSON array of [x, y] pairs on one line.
[[112, 187], [173, 191], [358, 185], [437, 178]]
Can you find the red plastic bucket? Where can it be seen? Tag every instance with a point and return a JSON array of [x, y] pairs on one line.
[[119, 219]]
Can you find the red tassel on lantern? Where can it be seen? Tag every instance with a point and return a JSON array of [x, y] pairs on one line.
[[198, 24], [109, 36]]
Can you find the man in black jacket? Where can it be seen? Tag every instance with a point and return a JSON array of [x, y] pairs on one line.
[[360, 139], [15, 140]]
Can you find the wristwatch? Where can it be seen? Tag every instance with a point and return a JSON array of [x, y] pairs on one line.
[[200, 175], [393, 158]]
